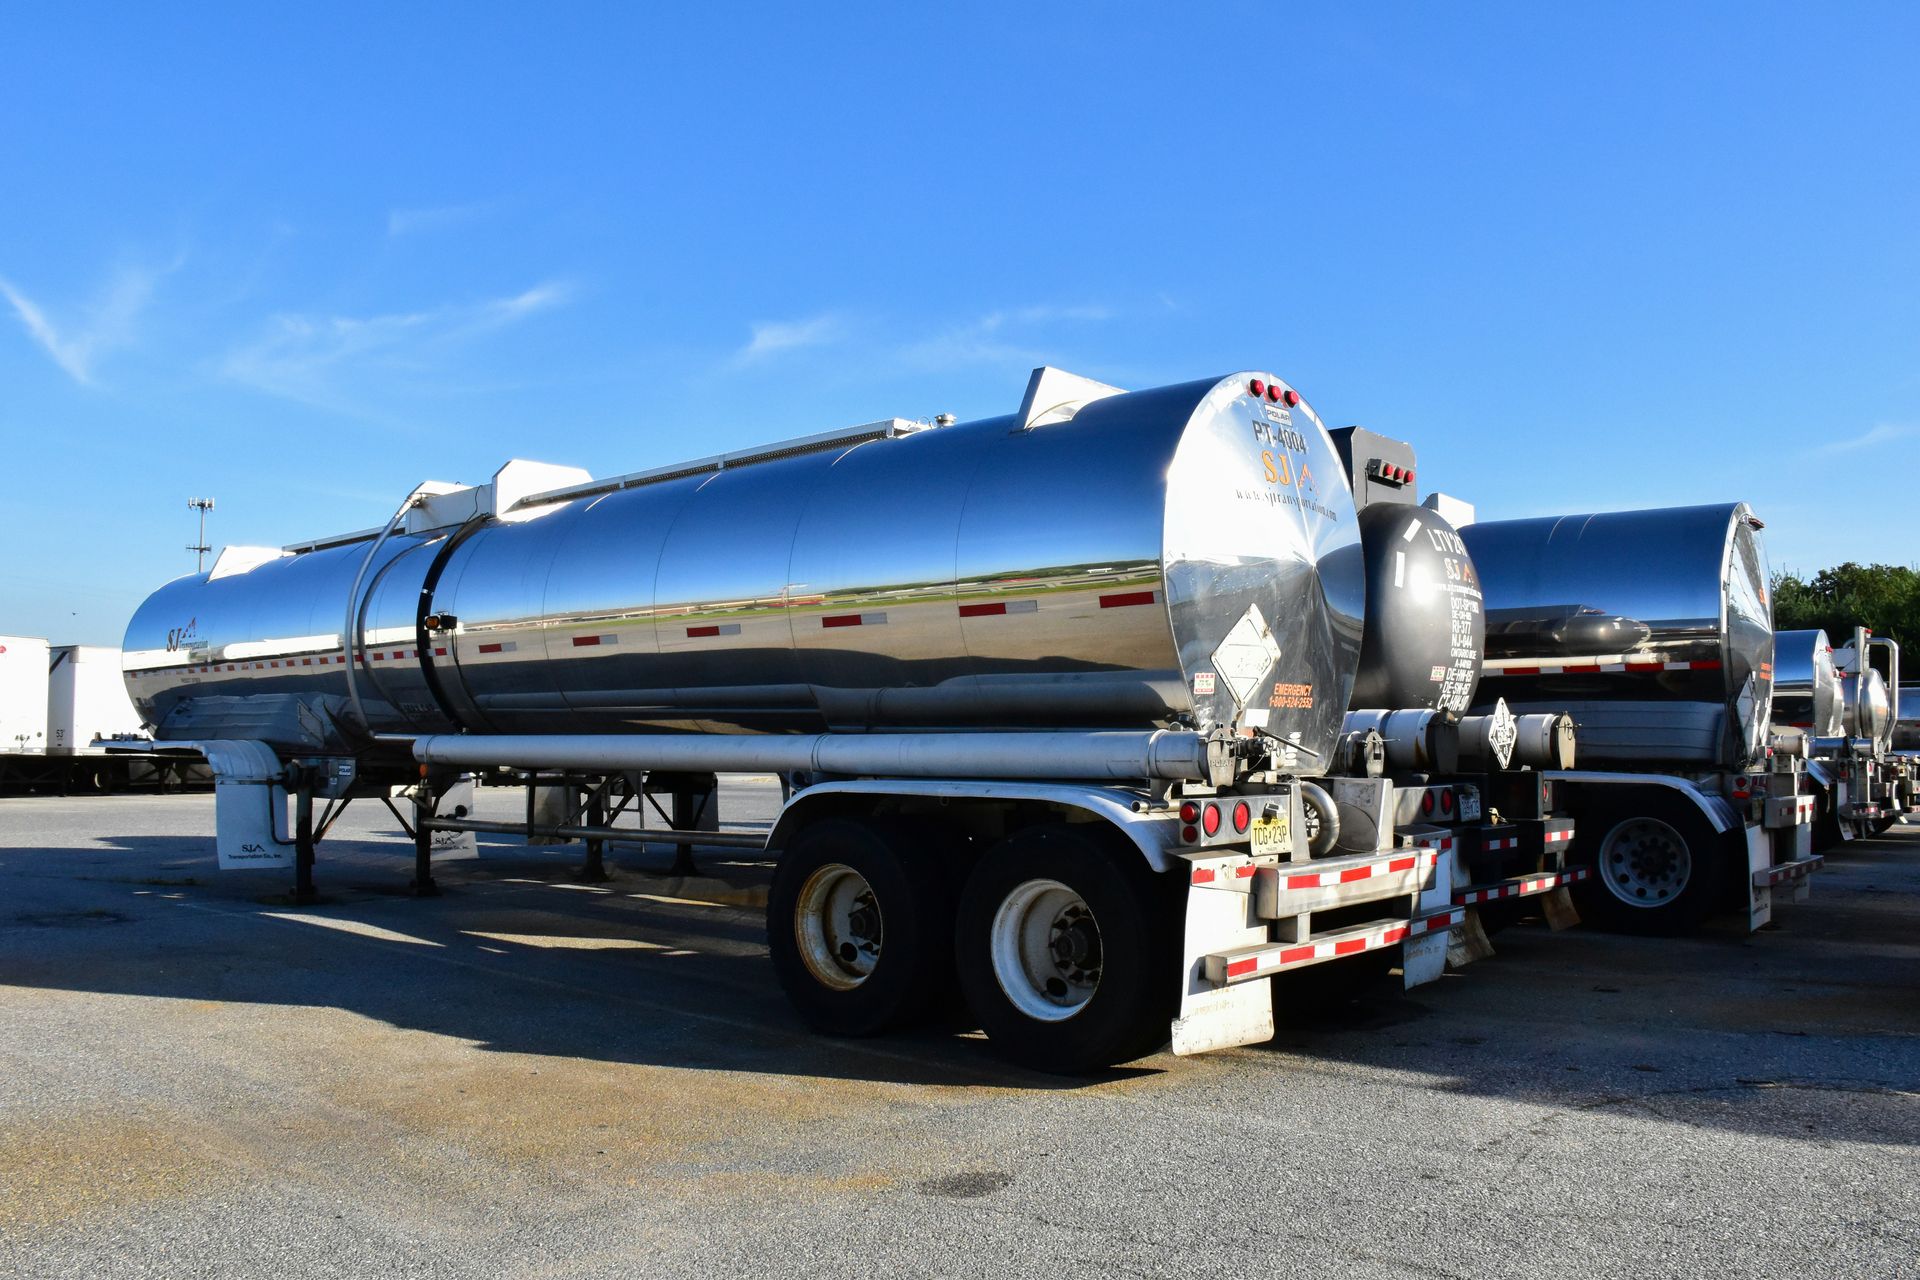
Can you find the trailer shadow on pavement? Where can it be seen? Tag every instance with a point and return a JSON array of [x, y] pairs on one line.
[[520, 957], [1722, 1030], [516, 955]]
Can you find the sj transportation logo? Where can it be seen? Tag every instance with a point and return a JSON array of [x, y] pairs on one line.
[[1283, 464]]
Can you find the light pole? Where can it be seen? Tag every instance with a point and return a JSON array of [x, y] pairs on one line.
[[200, 547]]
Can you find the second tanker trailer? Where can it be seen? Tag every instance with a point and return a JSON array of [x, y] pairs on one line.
[[1653, 629]]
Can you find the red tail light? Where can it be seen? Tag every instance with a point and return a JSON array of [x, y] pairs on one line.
[[1446, 802], [1426, 803], [1189, 813], [1242, 817], [1210, 819], [1188, 835]]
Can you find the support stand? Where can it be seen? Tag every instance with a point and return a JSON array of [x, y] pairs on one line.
[[595, 869], [304, 894], [422, 885]]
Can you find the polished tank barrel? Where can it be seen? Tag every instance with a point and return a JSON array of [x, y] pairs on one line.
[[1185, 556], [1651, 628], [1806, 687]]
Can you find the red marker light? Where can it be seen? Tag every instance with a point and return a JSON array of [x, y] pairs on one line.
[[1291, 396], [1408, 477], [1189, 813], [1210, 820], [1188, 835], [1273, 392], [1258, 388], [1242, 816]]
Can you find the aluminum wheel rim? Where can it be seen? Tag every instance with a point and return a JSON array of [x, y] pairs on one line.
[[1046, 950], [838, 924], [1645, 863]]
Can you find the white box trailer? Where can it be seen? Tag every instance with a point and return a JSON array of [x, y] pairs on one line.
[[86, 698], [55, 702], [23, 694]]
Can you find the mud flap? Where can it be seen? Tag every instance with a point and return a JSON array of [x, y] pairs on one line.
[[1557, 906], [1214, 1017], [455, 846], [1468, 942], [1759, 858], [1424, 959]]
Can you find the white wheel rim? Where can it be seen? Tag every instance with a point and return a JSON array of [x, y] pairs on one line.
[[1046, 950], [838, 926], [1645, 863]]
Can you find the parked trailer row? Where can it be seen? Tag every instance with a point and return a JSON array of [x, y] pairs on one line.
[[1107, 712], [1843, 704], [56, 703]]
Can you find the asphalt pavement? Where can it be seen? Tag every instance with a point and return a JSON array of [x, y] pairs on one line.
[[534, 1076]]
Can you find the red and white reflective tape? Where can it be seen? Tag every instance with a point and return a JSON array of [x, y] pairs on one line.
[[1351, 875], [500, 646], [1558, 837], [1223, 871], [1439, 922], [1620, 662], [594, 642], [854, 620], [1522, 888], [1273, 958], [1495, 844], [1799, 869], [998, 608]]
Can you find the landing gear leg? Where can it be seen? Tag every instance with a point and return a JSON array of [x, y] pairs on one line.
[[304, 893], [424, 802]]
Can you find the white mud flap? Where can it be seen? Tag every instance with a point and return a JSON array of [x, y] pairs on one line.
[[1423, 957], [1759, 859], [456, 846], [249, 805], [1216, 1017], [552, 806]]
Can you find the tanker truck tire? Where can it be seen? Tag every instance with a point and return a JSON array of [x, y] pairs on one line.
[[860, 927], [1065, 951], [1883, 825], [1658, 866]]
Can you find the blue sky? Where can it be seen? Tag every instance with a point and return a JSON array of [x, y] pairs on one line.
[[1585, 257]]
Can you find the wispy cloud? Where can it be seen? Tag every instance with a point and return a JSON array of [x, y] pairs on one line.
[[1885, 433], [77, 345], [1015, 335], [406, 222], [773, 337], [301, 356]]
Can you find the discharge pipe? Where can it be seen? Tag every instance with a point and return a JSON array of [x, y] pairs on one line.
[[1108, 756]]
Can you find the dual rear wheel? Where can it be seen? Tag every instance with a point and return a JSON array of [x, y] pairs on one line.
[[1058, 938]]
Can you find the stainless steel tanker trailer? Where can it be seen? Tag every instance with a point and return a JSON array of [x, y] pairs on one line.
[[1653, 629], [1843, 703], [1062, 694]]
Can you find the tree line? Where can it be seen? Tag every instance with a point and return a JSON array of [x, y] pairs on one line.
[[1885, 598]]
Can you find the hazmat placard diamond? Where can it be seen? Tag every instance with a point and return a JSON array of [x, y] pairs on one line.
[[1246, 655]]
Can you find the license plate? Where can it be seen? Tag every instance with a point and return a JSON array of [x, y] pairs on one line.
[[1470, 806], [1269, 836]]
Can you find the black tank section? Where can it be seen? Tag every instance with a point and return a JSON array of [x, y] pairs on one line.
[[1426, 623]]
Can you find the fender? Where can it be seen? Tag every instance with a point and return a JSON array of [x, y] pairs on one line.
[[1156, 836], [1716, 809]]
